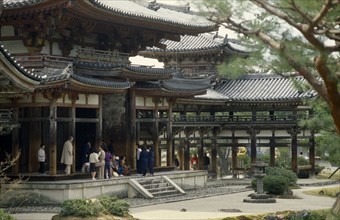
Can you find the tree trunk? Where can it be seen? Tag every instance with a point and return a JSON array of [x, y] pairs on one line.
[[334, 214]]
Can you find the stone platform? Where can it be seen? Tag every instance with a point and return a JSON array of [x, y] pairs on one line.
[[85, 187]]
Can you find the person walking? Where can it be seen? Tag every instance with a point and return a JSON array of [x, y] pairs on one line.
[[67, 155], [42, 159], [144, 161], [84, 155], [194, 162], [139, 149], [108, 165], [206, 161], [93, 159], [101, 157], [151, 160]]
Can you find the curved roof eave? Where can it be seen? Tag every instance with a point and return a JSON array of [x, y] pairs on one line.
[[127, 12], [264, 88], [171, 18], [19, 76]]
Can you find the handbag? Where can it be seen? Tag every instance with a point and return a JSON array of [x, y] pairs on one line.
[[99, 164]]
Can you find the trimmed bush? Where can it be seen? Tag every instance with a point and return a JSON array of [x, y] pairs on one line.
[[81, 208], [289, 175], [5, 216], [275, 185], [114, 206]]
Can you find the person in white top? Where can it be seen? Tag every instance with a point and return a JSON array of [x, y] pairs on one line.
[[42, 159], [93, 159]]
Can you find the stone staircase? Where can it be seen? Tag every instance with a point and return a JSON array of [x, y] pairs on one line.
[[153, 187]]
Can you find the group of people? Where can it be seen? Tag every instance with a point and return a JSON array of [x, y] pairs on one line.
[[145, 160], [194, 161], [102, 163]]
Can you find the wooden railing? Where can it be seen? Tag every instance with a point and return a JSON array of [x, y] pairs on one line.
[[5, 115], [238, 119], [199, 119]]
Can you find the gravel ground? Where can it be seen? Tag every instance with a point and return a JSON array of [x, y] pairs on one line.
[[189, 194]]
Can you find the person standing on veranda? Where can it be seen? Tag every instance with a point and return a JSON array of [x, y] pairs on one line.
[[67, 155], [42, 159], [101, 157], [93, 159]]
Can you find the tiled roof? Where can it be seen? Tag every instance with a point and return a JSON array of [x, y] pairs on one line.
[[261, 87], [212, 95], [17, 65], [201, 42], [162, 15], [190, 85], [178, 84], [135, 10], [67, 74]]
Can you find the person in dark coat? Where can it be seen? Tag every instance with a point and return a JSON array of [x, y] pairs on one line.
[[143, 157], [151, 159], [84, 155]]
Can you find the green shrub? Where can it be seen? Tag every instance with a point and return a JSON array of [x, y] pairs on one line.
[[81, 208], [289, 175], [5, 216], [275, 185], [114, 206], [307, 215]]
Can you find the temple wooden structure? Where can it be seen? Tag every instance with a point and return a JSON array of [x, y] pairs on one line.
[[254, 111], [65, 70]]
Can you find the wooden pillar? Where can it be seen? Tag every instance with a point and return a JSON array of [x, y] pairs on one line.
[[156, 135], [99, 124], [312, 155], [252, 132], [214, 155], [294, 132], [181, 157], [34, 138], [15, 136], [201, 132], [272, 149], [53, 136], [187, 158], [131, 136], [73, 130], [234, 154], [169, 141]]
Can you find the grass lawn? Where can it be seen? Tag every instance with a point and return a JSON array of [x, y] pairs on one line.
[[330, 191]]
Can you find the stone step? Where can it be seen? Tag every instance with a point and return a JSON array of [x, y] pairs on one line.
[[162, 189], [155, 185], [165, 193], [151, 187]]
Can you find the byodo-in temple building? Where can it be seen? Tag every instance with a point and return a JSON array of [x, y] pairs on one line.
[[65, 70]]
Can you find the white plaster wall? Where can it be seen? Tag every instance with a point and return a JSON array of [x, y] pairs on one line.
[[16, 46], [282, 133], [46, 49], [264, 133], [55, 49], [26, 99], [39, 98], [149, 102], [7, 31], [93, 100], [139, 101]]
